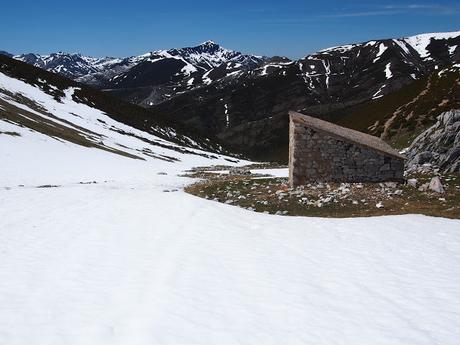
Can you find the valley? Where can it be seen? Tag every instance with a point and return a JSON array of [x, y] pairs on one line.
[[243, 99], [145, 200]]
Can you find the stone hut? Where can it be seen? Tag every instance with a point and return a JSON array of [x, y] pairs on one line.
[[320, 151]]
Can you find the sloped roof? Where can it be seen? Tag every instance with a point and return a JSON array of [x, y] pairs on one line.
[[348, 134]]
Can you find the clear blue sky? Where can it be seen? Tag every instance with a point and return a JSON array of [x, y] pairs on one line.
[[273, 27]]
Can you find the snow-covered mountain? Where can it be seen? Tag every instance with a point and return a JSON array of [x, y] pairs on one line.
[[249, 110], [73, 66], [340, 72], [244, 99], [158, 74], [99, 243], [39, 106]]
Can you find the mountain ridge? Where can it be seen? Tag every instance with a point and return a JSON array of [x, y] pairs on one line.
[[206, 87], [249, 112]]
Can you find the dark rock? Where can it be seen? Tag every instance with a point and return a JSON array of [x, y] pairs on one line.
[[423, 157], [436, 185]]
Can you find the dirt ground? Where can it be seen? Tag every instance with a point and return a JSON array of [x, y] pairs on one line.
[[266, 194]]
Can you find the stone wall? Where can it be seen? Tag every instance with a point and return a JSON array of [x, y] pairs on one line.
[[316, 156]]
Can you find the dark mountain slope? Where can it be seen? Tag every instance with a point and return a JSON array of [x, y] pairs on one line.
[[249, 111], [117, 109], [152, 77], [402, 115]]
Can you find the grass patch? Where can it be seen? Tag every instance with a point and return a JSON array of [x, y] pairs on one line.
[[13, 134]]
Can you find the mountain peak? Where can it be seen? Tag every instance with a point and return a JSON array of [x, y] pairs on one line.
[[209, 43]]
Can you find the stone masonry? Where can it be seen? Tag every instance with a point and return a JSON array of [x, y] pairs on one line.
[[320, 151]]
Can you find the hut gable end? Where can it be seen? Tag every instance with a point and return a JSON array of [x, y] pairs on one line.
[[322, 151]]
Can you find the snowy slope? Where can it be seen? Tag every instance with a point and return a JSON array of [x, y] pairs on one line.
[[421, 42], [112, 251], [123, 262], [48, 116], [91, 123]]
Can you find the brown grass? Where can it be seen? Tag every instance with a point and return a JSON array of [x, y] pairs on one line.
[[263, 195]]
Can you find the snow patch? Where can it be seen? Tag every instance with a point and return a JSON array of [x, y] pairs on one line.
[[227, 116], [421, 42], [382, 49], [378, 93], [388, 73]]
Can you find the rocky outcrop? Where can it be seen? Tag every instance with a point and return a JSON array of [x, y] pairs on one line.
[[439, 145]]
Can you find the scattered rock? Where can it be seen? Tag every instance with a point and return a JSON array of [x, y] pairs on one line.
[[327, 199], [391, 184], [436, 185], [162, 173], [412, 182], [239, 171], [424, 187]]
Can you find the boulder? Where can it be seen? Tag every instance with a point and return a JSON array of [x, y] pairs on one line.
[[391, 184], [423, 157], [436, 185], [412, 182]]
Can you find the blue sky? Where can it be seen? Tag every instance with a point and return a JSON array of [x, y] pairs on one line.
[[274, 27]]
